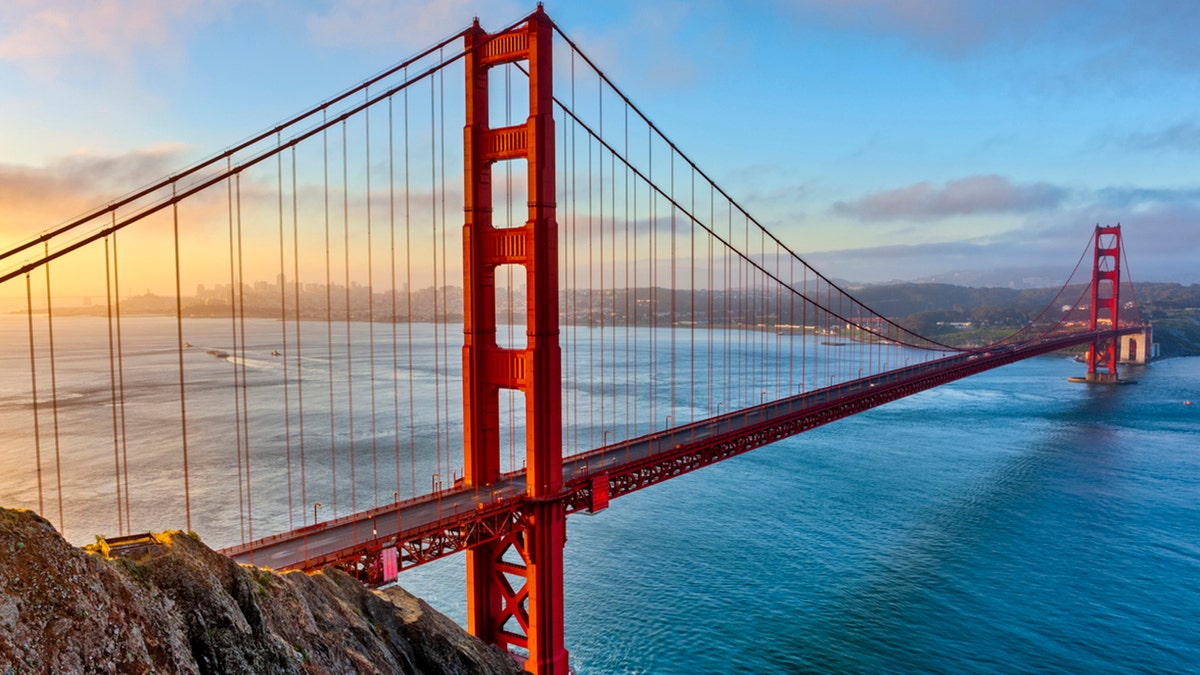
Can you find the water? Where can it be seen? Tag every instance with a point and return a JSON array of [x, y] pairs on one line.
[[1010, 522]]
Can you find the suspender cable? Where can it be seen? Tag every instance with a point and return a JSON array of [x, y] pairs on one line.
[[630, 316], [54, 398], [412, 416], [329, 326], [112, 378], [116, 270], [299, 371], [441, 139], [237, 408], [572, 299], [187, 484], [395, 319], [673, 269], [371, 314], [283, 336], [692, 308], [242, 360], [591, 361], [37, 427], [437, 346], [349, 339]]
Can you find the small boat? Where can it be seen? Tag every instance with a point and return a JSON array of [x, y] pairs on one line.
[[218, 353], [275, 352], [187, 345]]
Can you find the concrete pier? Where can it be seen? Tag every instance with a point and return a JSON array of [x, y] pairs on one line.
[[1137, 349]]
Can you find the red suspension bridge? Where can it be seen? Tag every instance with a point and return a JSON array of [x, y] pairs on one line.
[[623, 319]]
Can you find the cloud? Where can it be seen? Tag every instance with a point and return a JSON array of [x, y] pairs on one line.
[[36, 198], [1096, 43], [45, 36], [971, 195], [949, 27], [412, 25], [1183, 136]]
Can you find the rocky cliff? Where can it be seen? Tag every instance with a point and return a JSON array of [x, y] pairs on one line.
[[177, 606]]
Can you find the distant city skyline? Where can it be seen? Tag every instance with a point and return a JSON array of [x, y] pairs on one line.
[[882, 141]]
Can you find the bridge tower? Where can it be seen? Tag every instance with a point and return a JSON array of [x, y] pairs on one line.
[[1106, 303], [514, 585]]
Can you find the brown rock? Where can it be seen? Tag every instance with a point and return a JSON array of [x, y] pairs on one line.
[[179, 607]]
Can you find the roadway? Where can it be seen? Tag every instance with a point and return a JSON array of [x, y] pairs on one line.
[[455, 509]]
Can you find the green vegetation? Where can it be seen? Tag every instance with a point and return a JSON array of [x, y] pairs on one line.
[[977, 316]]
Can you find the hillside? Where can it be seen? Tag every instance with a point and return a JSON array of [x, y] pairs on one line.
[[931, 309], [180, 607]]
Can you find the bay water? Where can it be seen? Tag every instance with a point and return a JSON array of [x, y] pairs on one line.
[[1008, 522]]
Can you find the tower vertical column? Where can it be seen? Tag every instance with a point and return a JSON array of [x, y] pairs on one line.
[[1106, 299], [514, 586]]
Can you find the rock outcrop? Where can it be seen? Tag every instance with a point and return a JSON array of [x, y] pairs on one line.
[[177, 606]]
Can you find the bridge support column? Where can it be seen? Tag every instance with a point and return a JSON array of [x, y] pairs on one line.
[[1105, 309], [1137, 349], [514, 586]]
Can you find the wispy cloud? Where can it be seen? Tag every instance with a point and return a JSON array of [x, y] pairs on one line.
[[950, 27], [971, 195], [1106, 44], [1182, 136], [411, 25], [35, 198], [46, 36]]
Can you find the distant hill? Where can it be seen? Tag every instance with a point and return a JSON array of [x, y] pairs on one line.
[[900, 300], [904, 299], [940, 310]]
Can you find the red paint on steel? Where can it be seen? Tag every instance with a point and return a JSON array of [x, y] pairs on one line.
[[530, 616], [1106, 292]]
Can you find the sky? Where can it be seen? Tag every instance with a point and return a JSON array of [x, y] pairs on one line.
[[882, 140]]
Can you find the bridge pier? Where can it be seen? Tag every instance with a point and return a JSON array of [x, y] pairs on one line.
[[1137, 349], [1102, 377]]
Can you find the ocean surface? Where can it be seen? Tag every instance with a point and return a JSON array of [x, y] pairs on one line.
[[1009, 522]]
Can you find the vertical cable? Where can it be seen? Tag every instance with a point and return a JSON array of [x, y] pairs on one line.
[[572, 300], [392, 259], [329, 321], [712, 292], [112, 379], [651, 214], [187, 484], [116, 270], [237, 408], [349, 340], [283, 330], [692, 302], [437, 319], [612, 242], [412, 417], [674, 272], [371, 313], [441, 138], [242, 360], [37, 426], [591, 361], [54, 396], [630, 316], [299, 372]]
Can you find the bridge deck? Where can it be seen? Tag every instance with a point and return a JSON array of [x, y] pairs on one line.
[[441, 523]]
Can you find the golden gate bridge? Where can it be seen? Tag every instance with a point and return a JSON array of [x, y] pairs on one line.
[[623, 319]]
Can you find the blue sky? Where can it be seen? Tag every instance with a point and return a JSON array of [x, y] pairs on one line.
[[882, 140]]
